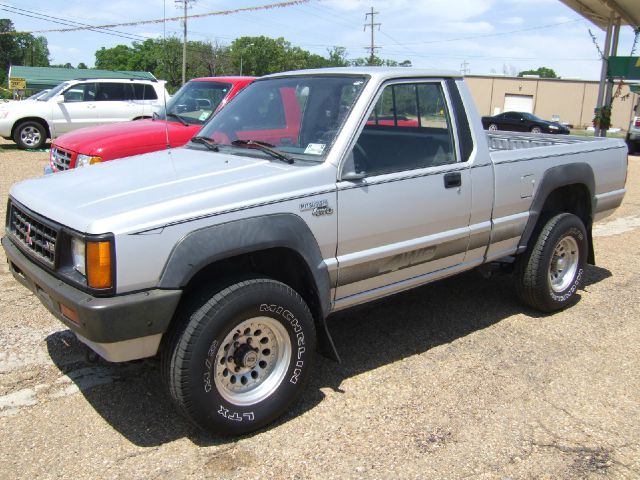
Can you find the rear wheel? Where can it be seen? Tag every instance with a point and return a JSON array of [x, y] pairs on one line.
[[241, 357], [30, 134], [549, 272]]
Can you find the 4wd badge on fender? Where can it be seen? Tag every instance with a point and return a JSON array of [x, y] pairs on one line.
[[317, 207]]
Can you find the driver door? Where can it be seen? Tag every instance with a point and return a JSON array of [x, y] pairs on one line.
[[78, 109], [409, 216]]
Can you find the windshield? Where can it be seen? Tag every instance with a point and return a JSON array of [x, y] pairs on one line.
[[195, 101], [299, 116], [54, 92], [532, 117], [35, 96]]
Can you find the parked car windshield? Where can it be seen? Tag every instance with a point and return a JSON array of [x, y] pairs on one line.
[[196, 101], [54, 92], [299, 116]]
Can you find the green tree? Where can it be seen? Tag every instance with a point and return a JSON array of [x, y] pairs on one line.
[[338, 57], [378, 62], [20, 49], [33, 51], [82, 66], [117, 58], [264, 55], [543, 72]]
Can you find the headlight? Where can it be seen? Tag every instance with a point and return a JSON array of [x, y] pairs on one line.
[[84, 160], [4, 113], [78, 253], [553, 127]]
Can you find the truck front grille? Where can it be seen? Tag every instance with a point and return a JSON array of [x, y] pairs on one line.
[[61, 159], [34, 235]]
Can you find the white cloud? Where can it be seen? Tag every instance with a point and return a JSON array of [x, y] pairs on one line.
[[512, 21]]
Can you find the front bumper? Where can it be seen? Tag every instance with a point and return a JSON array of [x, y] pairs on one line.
[[119, 328], [6, 124]]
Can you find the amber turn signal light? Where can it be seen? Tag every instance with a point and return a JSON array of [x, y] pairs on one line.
[[99, 264]]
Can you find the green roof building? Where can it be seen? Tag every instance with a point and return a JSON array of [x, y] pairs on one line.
[[39, 78]]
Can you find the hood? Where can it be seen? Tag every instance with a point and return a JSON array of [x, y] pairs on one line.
[[150, 190], [117, 136], [555, 124], [18, 105]]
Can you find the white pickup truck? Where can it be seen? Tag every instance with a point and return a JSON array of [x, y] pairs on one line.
[[311, 192]]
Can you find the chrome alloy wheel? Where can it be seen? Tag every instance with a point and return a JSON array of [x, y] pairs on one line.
[[252, 361], [30, 136], [564, 264], [493, 127]]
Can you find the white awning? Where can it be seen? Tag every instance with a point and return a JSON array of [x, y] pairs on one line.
[[599, 11]]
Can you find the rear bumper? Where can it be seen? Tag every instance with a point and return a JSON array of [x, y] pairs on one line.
[[119, 328]]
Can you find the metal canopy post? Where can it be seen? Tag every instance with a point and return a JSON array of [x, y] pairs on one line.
[[603, 71], [614, 51]]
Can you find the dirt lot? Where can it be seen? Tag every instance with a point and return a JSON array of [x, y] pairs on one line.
[[452, 380]]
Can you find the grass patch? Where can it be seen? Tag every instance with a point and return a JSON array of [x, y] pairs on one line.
[[587, 133]]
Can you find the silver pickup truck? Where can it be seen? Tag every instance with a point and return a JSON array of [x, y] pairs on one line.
[[311, 192]]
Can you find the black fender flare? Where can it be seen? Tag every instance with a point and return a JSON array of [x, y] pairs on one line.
[[552, 179], [205, 246]]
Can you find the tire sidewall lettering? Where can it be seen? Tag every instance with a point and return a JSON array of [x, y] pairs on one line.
[[226, 411], [570, 291]]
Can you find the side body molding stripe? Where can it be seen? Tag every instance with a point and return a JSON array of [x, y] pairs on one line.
[[553, 178], [218, 242]]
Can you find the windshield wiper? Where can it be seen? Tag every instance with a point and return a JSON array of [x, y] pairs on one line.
[[264, 147], [180, 119], [210, 144]]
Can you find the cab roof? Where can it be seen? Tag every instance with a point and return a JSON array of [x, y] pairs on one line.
[[378, 73]]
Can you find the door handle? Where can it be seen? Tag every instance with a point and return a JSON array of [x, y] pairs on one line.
[[452, 180]]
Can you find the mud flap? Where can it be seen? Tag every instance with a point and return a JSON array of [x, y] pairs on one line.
[[325, 343]]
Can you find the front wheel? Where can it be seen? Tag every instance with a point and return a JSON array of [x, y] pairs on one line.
[[550, 271], [30, 134], [493, 127], [536, 130], [242, 356]]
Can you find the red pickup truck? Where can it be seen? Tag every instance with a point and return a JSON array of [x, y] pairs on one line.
[[184, 115]]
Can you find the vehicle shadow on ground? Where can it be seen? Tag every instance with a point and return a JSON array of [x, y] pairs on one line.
[[132, 399], [12, 147]]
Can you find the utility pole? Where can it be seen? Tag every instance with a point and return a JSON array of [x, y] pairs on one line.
[[464, 68], [185, 4], [372, 49]]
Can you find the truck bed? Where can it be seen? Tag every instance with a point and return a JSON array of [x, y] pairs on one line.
[[517, 140]]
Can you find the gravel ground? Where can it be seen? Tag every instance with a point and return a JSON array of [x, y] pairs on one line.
[[453, 380]]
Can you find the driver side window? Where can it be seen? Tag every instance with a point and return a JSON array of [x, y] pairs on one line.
[[82, 92], [409, 128]]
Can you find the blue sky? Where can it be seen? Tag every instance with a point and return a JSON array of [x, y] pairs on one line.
[[491, 36]]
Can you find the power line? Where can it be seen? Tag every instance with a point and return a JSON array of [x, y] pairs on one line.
[[171, 19], [62, 21]]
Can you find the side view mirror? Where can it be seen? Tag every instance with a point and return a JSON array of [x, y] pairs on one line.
[[60, 99]]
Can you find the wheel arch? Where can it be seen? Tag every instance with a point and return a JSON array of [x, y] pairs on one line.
[[39, 120], [279, 246], [565, 188]]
